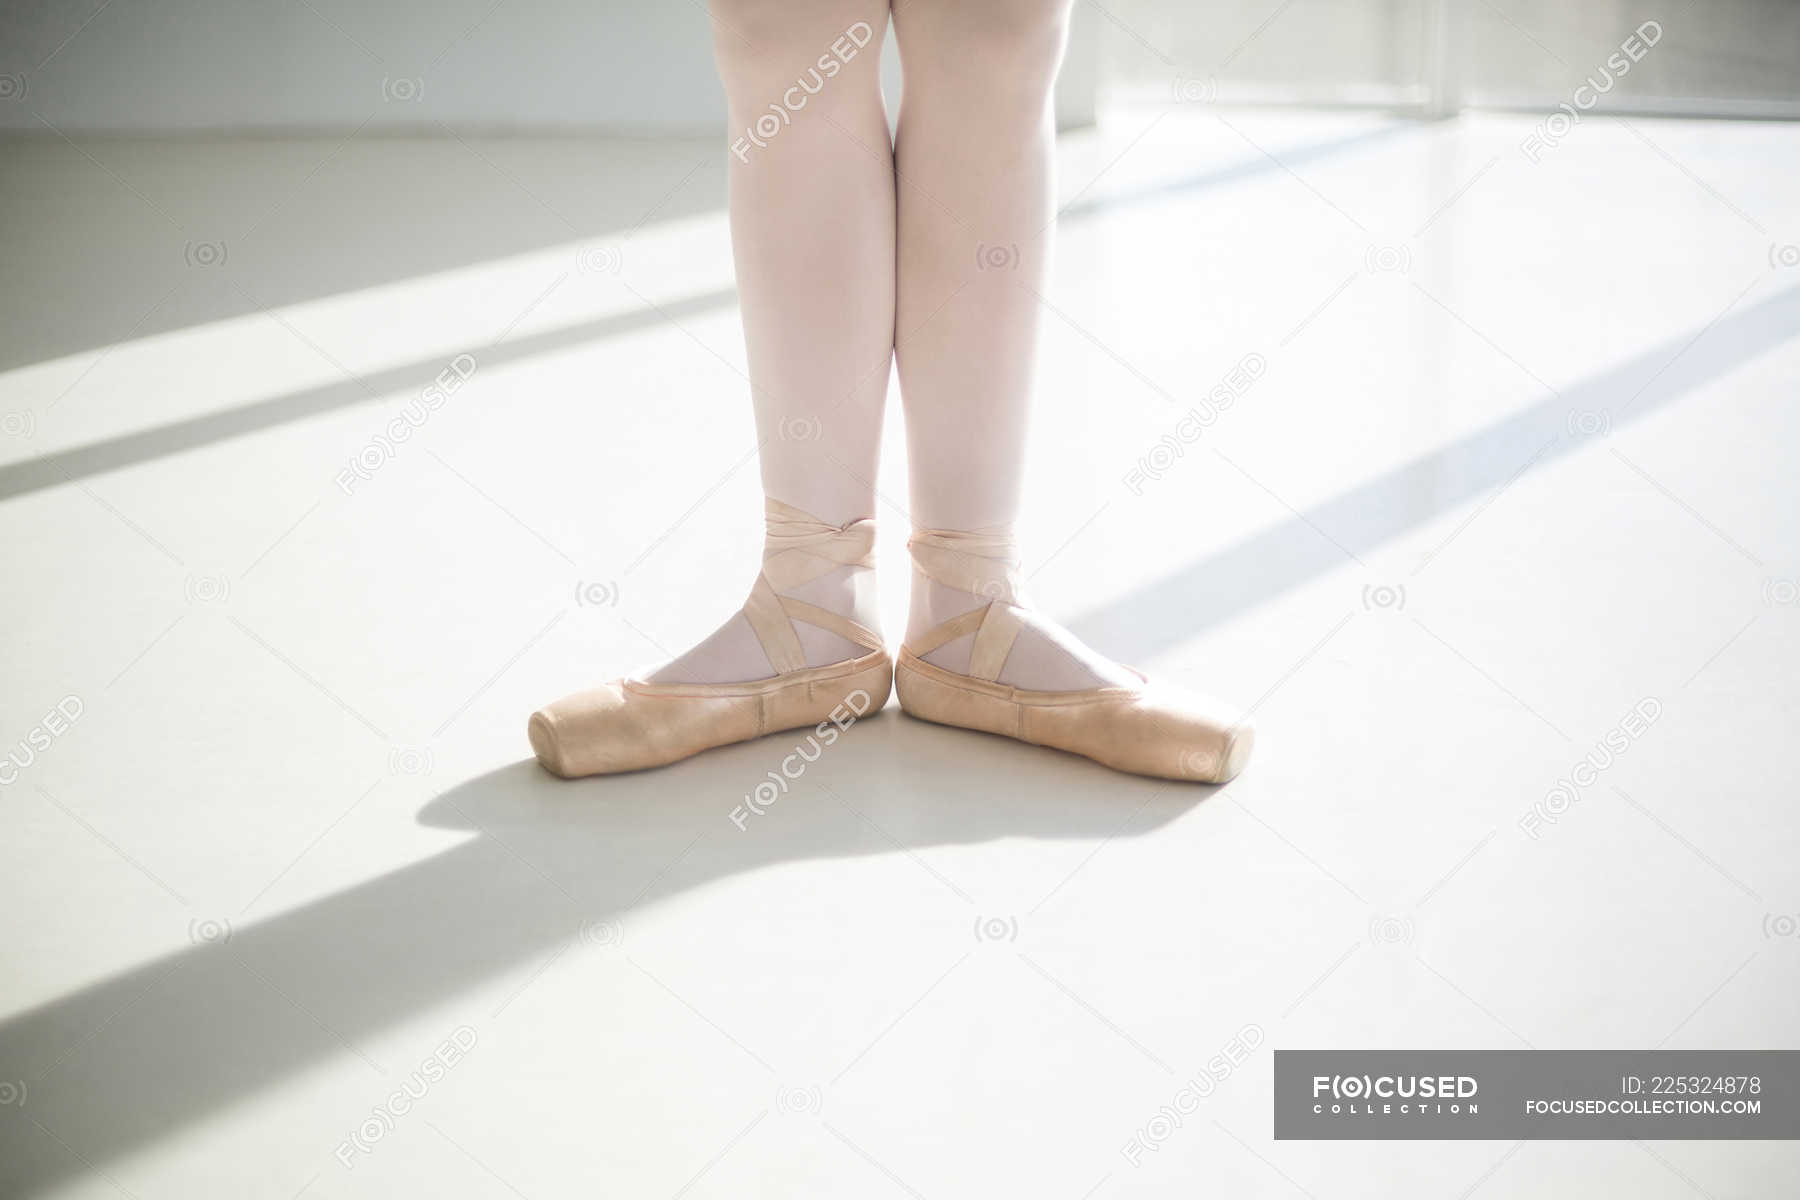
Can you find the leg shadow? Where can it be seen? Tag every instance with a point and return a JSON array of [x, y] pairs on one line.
[[130, 1060]]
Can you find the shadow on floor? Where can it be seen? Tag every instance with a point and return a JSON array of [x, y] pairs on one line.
[[123, 223], [67, 466], [1207, 592], [127, 1061]]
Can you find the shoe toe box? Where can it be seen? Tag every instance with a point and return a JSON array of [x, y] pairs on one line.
[[1208, 740], [568, 735]]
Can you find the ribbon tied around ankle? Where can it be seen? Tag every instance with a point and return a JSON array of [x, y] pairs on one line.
[[799, 548], [985, 563]]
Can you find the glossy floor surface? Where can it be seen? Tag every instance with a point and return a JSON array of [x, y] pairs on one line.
[[1469, 464]]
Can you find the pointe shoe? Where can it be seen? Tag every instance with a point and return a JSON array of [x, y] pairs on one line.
[[628, 724], [1145, 729]]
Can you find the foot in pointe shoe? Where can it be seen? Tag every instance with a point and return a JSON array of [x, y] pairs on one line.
[[629, 724], [967, 671]]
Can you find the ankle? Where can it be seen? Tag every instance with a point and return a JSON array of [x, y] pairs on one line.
[[850, 591], [933, 604], [959, 571], [812, 605]]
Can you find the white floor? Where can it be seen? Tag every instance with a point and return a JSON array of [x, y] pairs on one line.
[[1518, 462]]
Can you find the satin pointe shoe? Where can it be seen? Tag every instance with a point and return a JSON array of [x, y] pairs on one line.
[[1145, 728], [629, 724]]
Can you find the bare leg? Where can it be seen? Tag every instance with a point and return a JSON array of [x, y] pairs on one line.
[[812, 231]]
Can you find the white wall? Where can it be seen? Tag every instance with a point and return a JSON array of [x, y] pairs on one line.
[[303, 65]]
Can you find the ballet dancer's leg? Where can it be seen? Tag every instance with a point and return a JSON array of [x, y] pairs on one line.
[[812, 230], [974, 158], [812, 233]]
